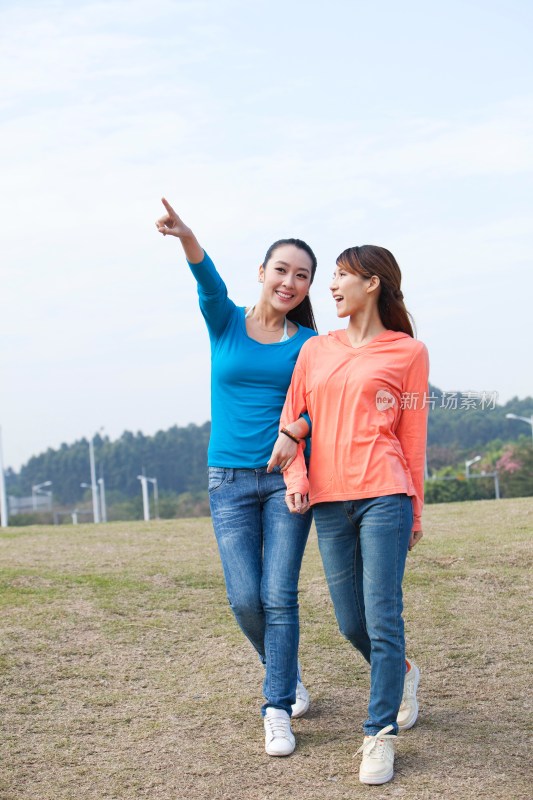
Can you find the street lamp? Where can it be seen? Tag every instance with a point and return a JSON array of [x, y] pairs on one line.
[[529, 420], [94, 487], [153, 481], [103, 507], [468, 464], [37, 489], [4, 516], [146, 501], [94, 492]]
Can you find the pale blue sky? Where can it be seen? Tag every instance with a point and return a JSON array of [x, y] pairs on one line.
[[407, 125]]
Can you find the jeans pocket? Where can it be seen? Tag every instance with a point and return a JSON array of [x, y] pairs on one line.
[[217, 476]]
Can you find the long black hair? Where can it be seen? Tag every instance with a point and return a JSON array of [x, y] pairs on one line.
[[302, 314]]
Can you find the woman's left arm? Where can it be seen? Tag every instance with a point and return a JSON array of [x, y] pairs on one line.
[[412, 430], [295, 473]]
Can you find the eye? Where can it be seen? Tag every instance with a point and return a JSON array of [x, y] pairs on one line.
[[305, 277]]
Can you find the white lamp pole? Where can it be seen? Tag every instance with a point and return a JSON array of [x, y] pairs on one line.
[[156, 496], [101, 485], [89, 486], [529, 420], [146, 502], [468, 464], [94, 485], [4, 518]]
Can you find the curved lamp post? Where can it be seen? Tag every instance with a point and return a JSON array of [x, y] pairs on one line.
[[38, 489], [468, 464], [529, 420]]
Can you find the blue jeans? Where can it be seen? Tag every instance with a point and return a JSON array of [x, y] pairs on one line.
[[364, 544], [261, 546]]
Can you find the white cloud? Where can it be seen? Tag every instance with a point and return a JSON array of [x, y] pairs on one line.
[[110, 105]]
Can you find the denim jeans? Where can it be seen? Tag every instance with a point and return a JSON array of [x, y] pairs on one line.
[[364, 544], [261, 547]]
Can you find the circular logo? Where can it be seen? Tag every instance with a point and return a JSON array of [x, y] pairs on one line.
[[384, 400]]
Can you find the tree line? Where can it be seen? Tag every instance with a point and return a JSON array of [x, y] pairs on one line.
[[459, 426], [176, 457]]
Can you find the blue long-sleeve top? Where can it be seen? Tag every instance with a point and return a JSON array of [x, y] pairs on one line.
[[249, 380]]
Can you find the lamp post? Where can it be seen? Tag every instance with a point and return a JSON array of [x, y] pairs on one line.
[[468, 464], [103, 507], [153, 481], [146, 502], [94, 486], [37, 489], [4, 517], [94, 492], [529, 420]]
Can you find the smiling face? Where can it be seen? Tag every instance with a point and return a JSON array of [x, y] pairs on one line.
[[352, 292], [286, 277]]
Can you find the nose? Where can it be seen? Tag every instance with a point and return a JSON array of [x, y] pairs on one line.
[[333, 284], [288, 280]]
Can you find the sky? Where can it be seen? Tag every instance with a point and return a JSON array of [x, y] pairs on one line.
[[407, 125]]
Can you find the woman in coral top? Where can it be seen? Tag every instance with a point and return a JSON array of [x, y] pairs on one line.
[[364, 389]]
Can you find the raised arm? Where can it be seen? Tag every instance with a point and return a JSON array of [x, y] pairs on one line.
[[171, 225], [215, 305]]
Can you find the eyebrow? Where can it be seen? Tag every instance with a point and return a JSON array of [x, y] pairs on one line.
[[300, 269]]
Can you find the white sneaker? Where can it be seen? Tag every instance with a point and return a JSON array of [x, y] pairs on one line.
[[279, 738], [302, 701], [408, 713], [377, 765]]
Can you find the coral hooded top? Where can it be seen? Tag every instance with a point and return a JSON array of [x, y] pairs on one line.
[[369, 413]]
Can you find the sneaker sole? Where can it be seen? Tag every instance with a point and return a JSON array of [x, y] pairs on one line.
[[412, 719], [280, 755], [373, 780]]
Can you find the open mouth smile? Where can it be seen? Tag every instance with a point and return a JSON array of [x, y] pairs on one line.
[[284, 295]]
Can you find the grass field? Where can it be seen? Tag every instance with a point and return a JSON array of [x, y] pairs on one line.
[[123, 674]]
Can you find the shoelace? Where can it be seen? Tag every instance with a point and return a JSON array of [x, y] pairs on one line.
[[278, 726], [375, 744]]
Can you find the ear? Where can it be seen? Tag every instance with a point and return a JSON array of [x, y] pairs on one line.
[[261, 275], [373, 284]]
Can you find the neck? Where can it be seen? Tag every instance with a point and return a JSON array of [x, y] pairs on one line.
[[268, 317], [364, 326]]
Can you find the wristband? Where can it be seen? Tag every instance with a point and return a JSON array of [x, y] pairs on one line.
[[290, 435]]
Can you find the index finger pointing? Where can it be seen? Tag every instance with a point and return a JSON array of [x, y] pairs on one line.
[[168, 207]]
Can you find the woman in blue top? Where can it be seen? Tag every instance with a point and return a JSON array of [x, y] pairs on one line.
[[261, 544]]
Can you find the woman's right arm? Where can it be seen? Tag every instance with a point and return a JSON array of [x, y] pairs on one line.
[[215, 304], [172, 225]]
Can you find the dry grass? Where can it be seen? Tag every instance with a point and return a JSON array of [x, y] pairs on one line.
[[124, 676]]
